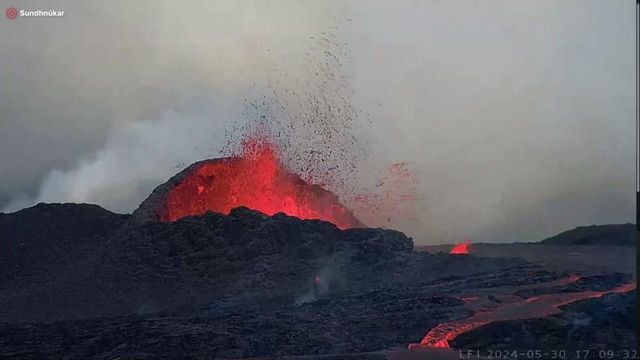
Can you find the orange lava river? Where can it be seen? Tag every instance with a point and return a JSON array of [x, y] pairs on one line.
[[535, 307]]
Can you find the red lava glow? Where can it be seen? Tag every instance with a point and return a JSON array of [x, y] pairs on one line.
[[462, 248], [536, 307], [257, 180]]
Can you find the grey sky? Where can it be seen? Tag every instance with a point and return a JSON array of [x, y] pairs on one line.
[[517, 116]]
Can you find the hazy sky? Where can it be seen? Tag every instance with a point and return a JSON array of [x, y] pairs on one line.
[[516, 116]]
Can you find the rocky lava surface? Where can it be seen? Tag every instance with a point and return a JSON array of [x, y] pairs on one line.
[[81, 282]]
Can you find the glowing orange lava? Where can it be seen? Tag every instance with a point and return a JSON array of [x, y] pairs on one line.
[[535, 307], [462, 248], [254, 179]]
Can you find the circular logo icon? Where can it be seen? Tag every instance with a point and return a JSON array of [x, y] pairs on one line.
[[11, 13]]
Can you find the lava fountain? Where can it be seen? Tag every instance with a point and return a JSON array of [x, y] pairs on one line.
[[255, 179]]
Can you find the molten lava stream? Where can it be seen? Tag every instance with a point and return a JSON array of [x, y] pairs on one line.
[[462, 248], [536, 307]]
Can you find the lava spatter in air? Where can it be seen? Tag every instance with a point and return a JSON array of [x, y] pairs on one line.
[[324, 138], [256, 179], [392, 198], [315, 133]]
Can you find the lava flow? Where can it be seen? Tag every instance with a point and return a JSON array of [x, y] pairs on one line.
[[536, 307], [257, 180]]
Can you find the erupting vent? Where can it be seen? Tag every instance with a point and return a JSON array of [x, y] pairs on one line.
[[462, 248], [255, 180]]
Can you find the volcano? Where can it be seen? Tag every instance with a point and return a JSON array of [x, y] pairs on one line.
[[255, 179]]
